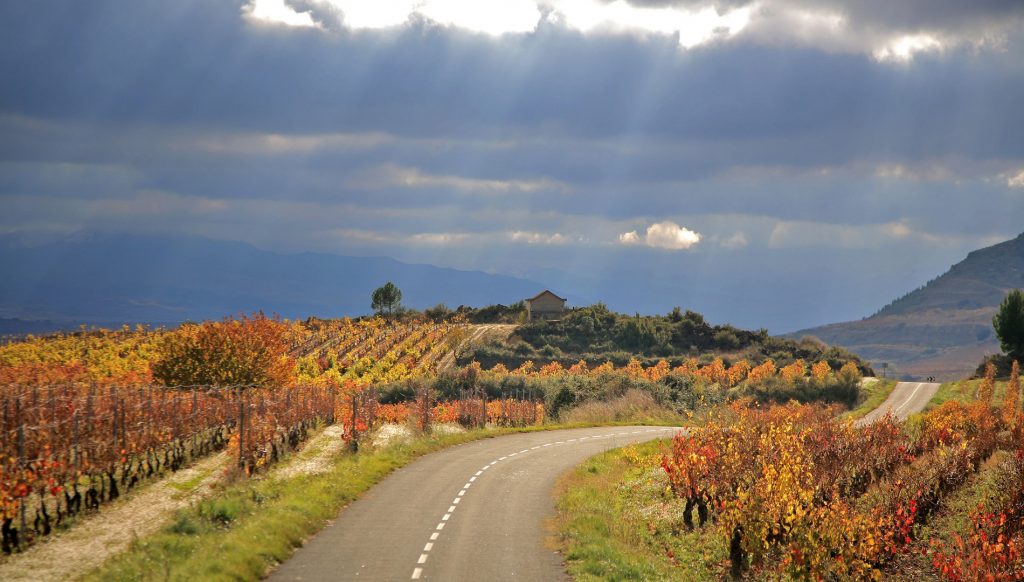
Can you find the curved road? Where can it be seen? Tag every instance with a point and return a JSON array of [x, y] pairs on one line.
[[472, 512], [906, 399], [477, 511]]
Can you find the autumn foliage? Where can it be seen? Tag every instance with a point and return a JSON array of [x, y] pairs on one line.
[[233, 352], [798, 494]]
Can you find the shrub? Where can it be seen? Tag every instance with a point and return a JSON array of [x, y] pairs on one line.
[[236, 351]]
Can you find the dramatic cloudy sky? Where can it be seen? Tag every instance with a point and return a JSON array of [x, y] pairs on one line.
[[772, 163]]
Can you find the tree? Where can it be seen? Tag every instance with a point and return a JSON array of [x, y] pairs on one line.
[[1009, 324], [388, 297]]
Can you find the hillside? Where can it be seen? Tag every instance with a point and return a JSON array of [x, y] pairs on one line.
[[171, 279], [943, 328], [597, 335]]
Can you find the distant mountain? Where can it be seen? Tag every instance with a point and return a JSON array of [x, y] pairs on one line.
[[944, 328], [171, 279]]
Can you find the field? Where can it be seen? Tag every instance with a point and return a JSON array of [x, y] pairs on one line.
[[85, 421], [90, 416], [793, 492]]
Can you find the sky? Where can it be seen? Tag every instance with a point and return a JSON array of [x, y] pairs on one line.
[[770, 163]]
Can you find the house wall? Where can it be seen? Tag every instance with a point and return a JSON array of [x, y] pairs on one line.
[[546, 303]]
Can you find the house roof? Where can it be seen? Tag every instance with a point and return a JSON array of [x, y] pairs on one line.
[[546, 292]]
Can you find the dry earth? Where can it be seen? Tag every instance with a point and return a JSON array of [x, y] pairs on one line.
[[480, 334], [92, 539]]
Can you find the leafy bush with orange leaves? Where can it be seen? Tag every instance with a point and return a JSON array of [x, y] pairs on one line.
[[241, 351]]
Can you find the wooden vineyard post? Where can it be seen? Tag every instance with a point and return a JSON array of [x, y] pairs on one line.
[[21, 462], [425, 412], [241, 431], [353, 431], [483, 409], [74, 442]]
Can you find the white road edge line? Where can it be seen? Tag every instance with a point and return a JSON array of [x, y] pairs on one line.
[[908, 400]]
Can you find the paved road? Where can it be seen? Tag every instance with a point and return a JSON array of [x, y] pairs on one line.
[[472, 512], [906, 399]]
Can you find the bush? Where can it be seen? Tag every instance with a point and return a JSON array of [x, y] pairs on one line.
[[242, 351]]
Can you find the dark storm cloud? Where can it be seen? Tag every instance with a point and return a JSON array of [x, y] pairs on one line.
[[902, 14], [528, 154], [199, 64]]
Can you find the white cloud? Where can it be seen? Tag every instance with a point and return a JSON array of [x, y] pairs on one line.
[[695, 27], [735, 242], [539, 238], [805, 234], [669, 235], [663, 235], [629, 238], [830, 25], [276, 12], [903, 48], [391, 175], [1016, 181], [359, 14], [494, 18]]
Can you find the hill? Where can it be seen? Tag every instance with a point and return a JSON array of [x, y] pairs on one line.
[[942, 329], [597, 335], [172, 279]]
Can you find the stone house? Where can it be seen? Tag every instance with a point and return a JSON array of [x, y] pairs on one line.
[[546, 306]]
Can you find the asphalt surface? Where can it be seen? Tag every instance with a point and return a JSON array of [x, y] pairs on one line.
[[906, 399], [476, 511]]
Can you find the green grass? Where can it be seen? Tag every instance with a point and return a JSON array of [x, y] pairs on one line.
[[616, 522], [964, 391], [873, 394], [189, 485], [246, 527]]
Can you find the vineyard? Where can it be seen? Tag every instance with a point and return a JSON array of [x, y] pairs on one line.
[[323, 352], [85, 421], [89, 416], [71, 448], [371, 351], [796, 493], [715, 372]]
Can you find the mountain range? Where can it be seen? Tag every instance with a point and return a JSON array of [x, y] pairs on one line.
[[121, 278], [942, 329]]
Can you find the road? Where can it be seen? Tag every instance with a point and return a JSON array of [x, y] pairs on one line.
[[905, 399], [477, 511], [472, 512], [479, 333]]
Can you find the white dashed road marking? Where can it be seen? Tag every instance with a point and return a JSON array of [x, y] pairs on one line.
[[418, 572]]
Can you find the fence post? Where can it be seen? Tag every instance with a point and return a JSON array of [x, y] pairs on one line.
[[21, 463], [74, 440], [241, 430], [353, 431]]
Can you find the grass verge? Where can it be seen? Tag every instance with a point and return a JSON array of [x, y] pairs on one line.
[[873, 394], [964, 391], [248, 526], [616, 521]]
